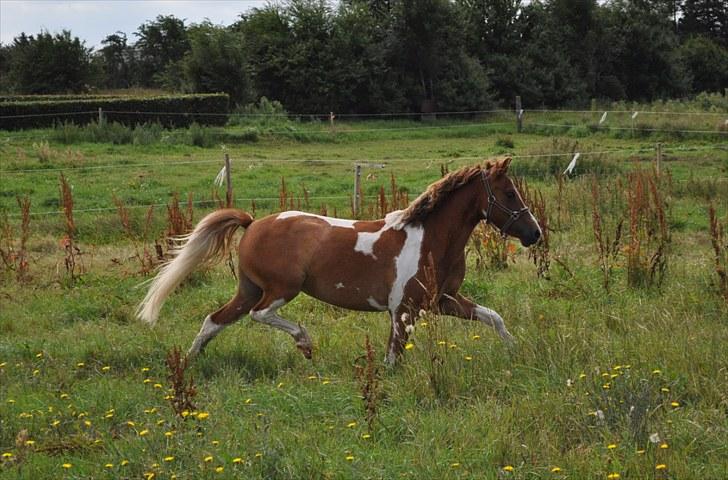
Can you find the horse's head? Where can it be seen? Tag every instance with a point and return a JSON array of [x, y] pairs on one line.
[[503, 206]]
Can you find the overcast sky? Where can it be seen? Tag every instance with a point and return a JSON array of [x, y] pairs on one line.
[[92, 20]]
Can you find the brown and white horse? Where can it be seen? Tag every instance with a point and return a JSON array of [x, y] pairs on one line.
[[360, 265]]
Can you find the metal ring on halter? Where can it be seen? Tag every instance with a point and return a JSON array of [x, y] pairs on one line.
[[513, 215]]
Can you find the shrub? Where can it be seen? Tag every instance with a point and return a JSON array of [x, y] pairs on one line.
[[170, 111]]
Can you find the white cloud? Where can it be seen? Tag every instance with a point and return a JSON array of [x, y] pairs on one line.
[[93, 20]]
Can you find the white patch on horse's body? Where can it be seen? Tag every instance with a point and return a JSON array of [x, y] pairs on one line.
[[365, 242], [339, 285], [491, 317], [334, 222], [406, 265], [208, 330], [376, 304]]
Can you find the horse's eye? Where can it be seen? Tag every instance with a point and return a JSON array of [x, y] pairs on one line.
[[511, 194]]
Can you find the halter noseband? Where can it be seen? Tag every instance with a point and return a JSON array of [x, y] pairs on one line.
[[513, 215]]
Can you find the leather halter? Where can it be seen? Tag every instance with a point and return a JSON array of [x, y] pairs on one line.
[[513, 215]]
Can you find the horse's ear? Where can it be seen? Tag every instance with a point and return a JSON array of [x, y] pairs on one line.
[[505, 163], [488, 165]]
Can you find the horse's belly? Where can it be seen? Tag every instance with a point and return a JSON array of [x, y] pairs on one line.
[[365, 293]]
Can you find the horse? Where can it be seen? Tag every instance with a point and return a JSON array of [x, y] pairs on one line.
[[372, 266]]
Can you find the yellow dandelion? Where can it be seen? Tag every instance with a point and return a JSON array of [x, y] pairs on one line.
[[63, 396], [351, 424], [143, 432], [675, 404], [39, 355], [202, 415], [248, 401], [36, 372], [325, 382], [605, 386], [455, 465], [665, 390], [149, 475], [656, 371], [67, 465], [660, 466], [185, 413], [582, 375], [105, 368], [613, 476], [55, 423], [409, 346], [80, 364], [168, 434], [7, 455], [215, 443], [124, 463], [220, 469], [556, 470], [280, 385], [612, 446], [147, 380], [29, 443], [157, 385], [664, 446], [350, 458], [508, 468], [2, 365], [468, 358], [145, 369], [87, 423], [208, 459], [476, 337], [109, 465], [258, 455], [130, 423], [160, 422], [366, 436], [169, 458], [237, 460], [423, 324], [640, 452], [441, 342]]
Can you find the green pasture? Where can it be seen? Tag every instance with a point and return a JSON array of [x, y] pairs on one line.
[[632, 382]]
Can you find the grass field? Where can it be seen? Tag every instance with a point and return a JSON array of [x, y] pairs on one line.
[[630, 382]]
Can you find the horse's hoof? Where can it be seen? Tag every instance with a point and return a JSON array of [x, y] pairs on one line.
[[306, 350]]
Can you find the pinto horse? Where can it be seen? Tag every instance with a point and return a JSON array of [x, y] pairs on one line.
[[379, 265]]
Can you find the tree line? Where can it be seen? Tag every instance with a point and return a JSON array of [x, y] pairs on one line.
[[362, 56]]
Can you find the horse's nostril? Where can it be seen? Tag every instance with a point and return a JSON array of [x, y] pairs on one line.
[[537, 234]]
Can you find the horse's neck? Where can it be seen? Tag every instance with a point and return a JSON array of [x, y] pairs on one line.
[[451, 225]]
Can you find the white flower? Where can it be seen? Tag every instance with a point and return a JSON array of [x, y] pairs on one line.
[[409, 328], [655, 438], [405, 318], [422, 313], [600, 415]]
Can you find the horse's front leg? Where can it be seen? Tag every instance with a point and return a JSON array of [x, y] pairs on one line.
[[398, 335], [462, 307]]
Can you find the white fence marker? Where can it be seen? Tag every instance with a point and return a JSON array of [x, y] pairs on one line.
[[604, 117], [572, 164], [634, 115]]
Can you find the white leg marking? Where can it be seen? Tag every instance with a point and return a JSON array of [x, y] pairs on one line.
[[376, 304], [491, 317], [269, 317], [207, 332]]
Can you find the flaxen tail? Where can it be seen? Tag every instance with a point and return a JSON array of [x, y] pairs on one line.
[[209, 240]]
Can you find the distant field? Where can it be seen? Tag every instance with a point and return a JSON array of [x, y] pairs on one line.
[[629, 382]]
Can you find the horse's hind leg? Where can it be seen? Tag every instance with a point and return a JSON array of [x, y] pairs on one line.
[[248, 295], [265, 312]]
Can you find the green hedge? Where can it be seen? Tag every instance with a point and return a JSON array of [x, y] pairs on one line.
[[170, 111], [55, 98]]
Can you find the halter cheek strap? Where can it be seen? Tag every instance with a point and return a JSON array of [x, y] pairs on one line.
[[513, 215]]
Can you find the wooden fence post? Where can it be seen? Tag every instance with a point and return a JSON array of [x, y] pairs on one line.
[[331, 121], [101, 116], [229, 183], [357, 189], [658, 157], [519, 114]]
